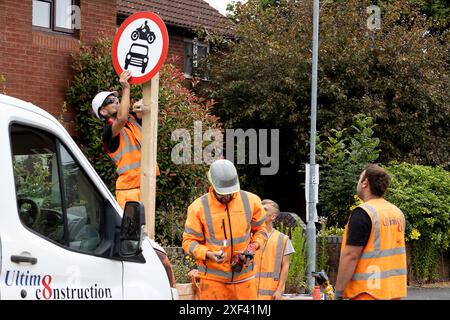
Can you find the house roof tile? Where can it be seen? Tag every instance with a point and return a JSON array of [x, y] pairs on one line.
[[189, 14]]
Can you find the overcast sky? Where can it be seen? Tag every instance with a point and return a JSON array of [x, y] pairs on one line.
[[221, 5]]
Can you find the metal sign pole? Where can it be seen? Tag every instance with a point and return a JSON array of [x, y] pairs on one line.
[[312, 173]]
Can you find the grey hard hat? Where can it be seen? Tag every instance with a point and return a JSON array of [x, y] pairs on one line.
[[223, 176]]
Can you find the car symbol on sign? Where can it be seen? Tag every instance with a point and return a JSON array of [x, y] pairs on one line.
[[137, 56]]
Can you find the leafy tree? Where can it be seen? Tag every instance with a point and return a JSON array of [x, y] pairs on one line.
[[178, 185], [398, 75], [344, 155]]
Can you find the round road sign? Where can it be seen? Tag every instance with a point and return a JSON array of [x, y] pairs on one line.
[[140, 46]]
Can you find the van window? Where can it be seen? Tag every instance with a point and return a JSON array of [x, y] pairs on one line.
[[37, 183], [84, 206], [54, 196]]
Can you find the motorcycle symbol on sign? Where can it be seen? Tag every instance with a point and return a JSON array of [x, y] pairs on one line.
[[144, 33]]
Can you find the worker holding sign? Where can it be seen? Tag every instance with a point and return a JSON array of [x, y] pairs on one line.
[[140, 46], [122, 138]]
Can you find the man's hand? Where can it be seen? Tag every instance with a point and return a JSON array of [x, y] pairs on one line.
[[217, 256], [124, 78], [250, 252], [139, 108]]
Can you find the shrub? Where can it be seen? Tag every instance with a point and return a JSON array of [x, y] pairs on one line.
[[182, 264], [178, 185], [343, 156], [423, 194], [322, 257], [296, 281], [3, 84]]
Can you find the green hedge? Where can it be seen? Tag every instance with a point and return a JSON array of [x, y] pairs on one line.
[[423, 194]]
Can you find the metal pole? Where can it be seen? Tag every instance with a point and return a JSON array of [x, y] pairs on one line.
[[311, 204]]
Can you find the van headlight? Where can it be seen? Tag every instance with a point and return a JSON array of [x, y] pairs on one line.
[[128, 56]]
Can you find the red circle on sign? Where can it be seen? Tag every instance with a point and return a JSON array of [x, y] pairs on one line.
[[165, 35]]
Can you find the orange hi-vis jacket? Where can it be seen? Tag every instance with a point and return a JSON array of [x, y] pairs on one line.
[[268, 265], [128, 156], [210, 222], [381, 269]]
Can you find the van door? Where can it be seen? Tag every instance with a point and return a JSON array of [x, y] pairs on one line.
[[57, 231]]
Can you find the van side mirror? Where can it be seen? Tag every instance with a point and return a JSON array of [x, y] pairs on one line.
[[132, 231]]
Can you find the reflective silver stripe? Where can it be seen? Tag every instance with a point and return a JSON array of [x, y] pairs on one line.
[[264, 234], [265, 275], [127, 148], [383, 253], [192, 247], [243, 239], [276, 273], [193, 232], [135, 123], [225, 274], [212, 239], [129, 167], [381, 275], [266, 292], [248, 211], [258, 223], [278, 257], [377, 240], [215, 272]]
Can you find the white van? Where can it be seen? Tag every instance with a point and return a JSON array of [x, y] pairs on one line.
[[61, 232]]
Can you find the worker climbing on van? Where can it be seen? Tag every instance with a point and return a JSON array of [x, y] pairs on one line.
[[272, 261], [122, 138], [223, 231]]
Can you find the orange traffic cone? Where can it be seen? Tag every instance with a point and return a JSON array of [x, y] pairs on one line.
[[316, 293]]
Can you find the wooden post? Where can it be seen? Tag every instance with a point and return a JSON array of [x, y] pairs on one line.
[[150, 92]]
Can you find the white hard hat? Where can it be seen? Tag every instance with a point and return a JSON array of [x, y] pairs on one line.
[[98, 100], [223, 176]]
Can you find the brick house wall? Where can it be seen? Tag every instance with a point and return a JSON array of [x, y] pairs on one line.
[[37, 64]]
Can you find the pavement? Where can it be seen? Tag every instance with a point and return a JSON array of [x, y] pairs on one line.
[[428, 294]]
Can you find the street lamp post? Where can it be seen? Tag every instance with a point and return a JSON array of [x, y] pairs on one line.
[[312, 170]]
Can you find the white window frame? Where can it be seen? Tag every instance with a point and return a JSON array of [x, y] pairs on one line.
[[52, 22]]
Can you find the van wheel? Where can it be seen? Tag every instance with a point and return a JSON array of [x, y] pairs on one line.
[[126, 66]]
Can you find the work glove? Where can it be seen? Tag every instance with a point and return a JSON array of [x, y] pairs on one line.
[[249, 253], [237, 262]]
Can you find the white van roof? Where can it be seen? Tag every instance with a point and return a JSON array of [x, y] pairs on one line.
[[15, 102]]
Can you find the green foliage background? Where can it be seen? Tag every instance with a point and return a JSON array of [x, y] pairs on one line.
[[398, 75], [343, 155], [423, 194]]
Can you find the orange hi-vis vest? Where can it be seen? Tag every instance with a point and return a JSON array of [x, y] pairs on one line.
[[210, 222], [128, 156], [268, 264], [381, 269]]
